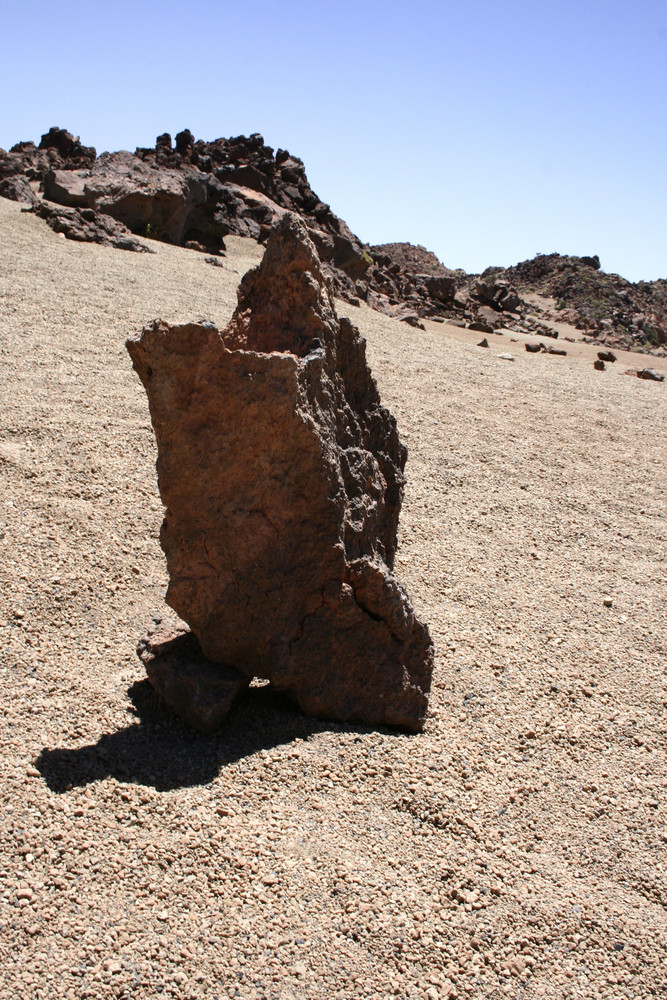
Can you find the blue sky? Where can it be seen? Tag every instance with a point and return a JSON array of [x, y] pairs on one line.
[[487, 132]]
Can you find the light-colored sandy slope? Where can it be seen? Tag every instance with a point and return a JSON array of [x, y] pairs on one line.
[[516, 848]]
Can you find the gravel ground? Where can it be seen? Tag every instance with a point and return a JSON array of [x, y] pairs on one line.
[[514, 849]]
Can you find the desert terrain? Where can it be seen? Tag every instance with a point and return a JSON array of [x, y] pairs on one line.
[[515, 848]]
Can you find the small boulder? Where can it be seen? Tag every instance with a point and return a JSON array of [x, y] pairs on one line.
[[483, 343], [441, 287], [198, 691], [607, 356], [599, 365]]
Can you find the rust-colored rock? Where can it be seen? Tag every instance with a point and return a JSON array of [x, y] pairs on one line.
[[282, 475], [200, 692]]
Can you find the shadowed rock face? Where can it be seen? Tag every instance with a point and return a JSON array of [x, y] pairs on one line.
[[282, 475]]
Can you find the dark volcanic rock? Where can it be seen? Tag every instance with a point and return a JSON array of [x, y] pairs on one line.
[[67, 146], [58, 150], [200, 692], [67, 187], [282, 475], [17, 188], [86, 226], [497, 295]]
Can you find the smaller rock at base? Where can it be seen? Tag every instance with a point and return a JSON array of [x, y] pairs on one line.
[[198, 691], [17, 188], [534, 348], [651, 374], [599, 365]]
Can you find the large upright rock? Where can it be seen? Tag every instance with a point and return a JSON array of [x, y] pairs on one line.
[[282, 475]]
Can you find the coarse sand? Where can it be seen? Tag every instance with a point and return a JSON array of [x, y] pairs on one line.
[[516, 848]]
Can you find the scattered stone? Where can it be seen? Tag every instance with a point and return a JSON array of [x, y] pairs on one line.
[[200, 692], [411, 318], [556, 350], [607, 602], [650, 374], [479, 326], [534, 348], [599, 365], [497, 294], [607, 356], [282, 475], [195, 245], [215, 261], [483, 343], [506, 357]]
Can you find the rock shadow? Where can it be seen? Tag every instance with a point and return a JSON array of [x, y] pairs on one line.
[[161, 751]]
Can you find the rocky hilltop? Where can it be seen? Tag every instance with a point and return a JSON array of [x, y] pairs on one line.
[[193, 193], [606, 306]]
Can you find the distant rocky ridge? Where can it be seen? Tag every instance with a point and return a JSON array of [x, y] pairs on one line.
[[193, 193], [607, 306]]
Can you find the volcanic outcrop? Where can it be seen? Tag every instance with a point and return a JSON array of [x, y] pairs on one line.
[[282, 478], [193, 193], [86, 226]]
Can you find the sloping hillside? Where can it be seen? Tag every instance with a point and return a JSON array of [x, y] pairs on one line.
[[191, 192], [515, 848]]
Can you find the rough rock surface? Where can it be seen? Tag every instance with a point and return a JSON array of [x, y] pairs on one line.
[[282, 475], [200, 692], [86, 226], [17, 188], [193, 191]]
